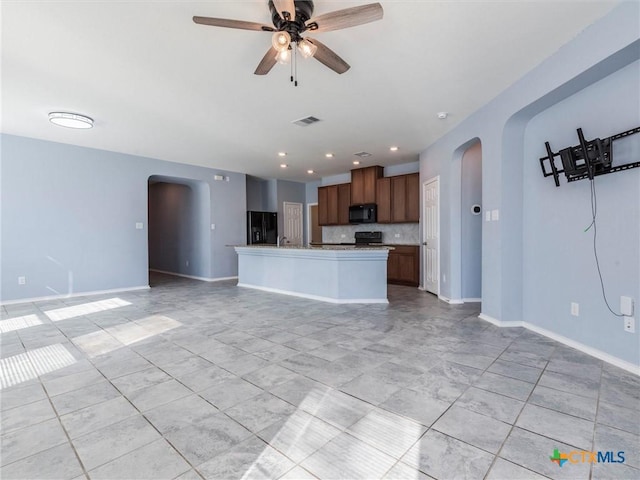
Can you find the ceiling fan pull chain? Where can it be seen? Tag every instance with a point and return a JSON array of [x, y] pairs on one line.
[[295, 68]]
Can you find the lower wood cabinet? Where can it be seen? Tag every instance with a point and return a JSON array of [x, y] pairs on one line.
[[403, 265]]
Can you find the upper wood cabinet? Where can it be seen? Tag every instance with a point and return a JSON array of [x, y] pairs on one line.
[[398, 199], [344, 200], [363, 184], [333, 204]]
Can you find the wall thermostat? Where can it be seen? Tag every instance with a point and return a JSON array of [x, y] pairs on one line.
[[476, 209]]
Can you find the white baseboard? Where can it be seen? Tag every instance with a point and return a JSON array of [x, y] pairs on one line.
[[72, 295], [594, 352], [314, 297], [472, 300], [193, 277], [450, 301]]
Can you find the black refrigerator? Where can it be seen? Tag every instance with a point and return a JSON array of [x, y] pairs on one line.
[[262, 228]]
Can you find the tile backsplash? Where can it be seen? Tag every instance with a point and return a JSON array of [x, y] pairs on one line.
[[409, 233]]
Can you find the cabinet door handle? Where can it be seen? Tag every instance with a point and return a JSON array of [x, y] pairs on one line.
[[424, 243]]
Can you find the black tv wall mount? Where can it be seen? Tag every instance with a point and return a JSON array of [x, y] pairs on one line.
[[587, 160]]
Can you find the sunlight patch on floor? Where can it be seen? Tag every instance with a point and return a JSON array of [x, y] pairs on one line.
[[29, 365], [18, 323], [85, 309]]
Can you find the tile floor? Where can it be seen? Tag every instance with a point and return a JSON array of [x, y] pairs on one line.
[[195, 380]]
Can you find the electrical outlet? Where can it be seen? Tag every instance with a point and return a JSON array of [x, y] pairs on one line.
[[575, 309], [187, 262], [444, 278], [342, 236], [487, 216], [629, 324], [139, 225], [397, 235], [213, 226], [495, 215], [22, 280]]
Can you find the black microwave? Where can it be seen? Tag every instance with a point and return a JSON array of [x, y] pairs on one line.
[[363, 213]]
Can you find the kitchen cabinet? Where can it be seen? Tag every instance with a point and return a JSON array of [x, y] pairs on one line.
[[403, 265], [333, 204], [383, 198], [398, 199], [344, 200], [363, 184]]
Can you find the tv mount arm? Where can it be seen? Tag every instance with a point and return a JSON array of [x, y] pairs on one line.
[[587, 160]]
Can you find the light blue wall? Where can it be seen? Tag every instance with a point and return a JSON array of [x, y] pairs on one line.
[[558, 261], [500, 125], [471, 225], [69, 216], [311, 189], [402, 169], [255, 194]]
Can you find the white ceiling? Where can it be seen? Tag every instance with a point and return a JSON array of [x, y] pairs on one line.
[[159, 85]]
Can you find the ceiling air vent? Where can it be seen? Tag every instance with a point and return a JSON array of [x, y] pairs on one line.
[[305, 122], [362, 154]]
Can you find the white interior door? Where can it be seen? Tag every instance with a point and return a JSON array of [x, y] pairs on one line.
[[431, 235], [293, 223]]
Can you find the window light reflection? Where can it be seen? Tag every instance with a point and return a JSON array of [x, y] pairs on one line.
[[85, 309], [18, 323], [29, 365]]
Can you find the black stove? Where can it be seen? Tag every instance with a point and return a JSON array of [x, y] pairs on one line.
[[366, 239]]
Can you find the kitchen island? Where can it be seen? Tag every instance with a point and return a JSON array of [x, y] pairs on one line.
[[331, 274]]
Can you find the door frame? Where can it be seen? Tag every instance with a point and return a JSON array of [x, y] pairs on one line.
[[309, 205], [422, 249]]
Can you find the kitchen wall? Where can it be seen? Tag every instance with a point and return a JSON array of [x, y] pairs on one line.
[[408, 233], [69, 215], [519, 276]]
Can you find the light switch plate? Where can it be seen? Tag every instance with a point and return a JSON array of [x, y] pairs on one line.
[[138, 225], [495, 215], [487, 216], [626, 306]]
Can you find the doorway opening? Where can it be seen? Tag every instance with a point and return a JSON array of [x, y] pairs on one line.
[[314, 230], [471, 216], [178, 237]]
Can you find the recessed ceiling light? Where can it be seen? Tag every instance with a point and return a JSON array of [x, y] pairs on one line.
[[393, 149], [309, 171], [442, 115], [70, 120], [283, 165], [356, 162], [282, 154], [328, 155]]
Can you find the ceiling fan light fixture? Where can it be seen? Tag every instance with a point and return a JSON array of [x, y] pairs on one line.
[[70, 120], [281, 41], [306, 48], [283, 57]]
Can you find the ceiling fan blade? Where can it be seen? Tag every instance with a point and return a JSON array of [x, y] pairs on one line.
[[225, 22], [328, 57], [285, 6], [267, 62], [349, 17]]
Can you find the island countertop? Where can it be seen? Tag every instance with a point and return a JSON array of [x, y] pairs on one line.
[[337, 274], [318, 247]]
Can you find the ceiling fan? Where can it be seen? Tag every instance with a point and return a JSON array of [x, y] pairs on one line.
[[290, 20]]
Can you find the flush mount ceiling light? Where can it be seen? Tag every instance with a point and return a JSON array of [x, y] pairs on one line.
[[442, 115], [283, 165], [356, 162], [70, 120], [328, 155], [282, 154], [393, 149], [309, 172]]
